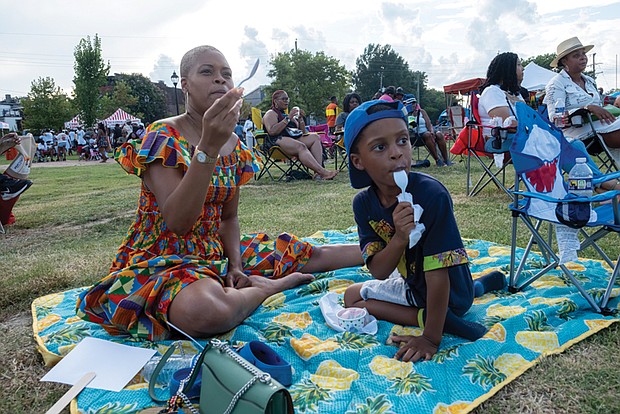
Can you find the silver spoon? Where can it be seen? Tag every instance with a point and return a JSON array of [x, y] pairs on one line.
[[252, 72]]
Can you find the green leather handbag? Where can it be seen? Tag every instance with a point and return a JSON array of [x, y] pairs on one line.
[[232, 385]]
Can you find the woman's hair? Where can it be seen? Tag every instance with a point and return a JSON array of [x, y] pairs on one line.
[[390, 90], [189, 58], [502, 71], [277, 94], [347, 99]]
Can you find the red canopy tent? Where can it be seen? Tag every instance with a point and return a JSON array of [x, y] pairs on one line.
[[464, 87]]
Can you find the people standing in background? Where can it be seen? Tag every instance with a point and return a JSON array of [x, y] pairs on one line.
[[140, 131], [103, 141], [239, 131], [117, 134], [330, 113], [81, 142], [62, 140], [127, 128], [388, 94], [248, 131]]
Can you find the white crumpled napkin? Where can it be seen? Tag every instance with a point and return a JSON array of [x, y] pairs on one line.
[[568, 243], [416, 233], [329, 308], [393, 289]]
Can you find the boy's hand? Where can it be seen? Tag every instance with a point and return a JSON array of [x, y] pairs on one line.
[[403, 221], [415, 348]]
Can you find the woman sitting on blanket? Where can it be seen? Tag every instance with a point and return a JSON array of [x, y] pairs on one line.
[[181, 261], [501, 92], [288, 131]]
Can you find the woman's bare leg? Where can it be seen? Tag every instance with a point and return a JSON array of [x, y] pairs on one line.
[[612, 139], [441, 143], [331, 257], [313, 142], [205, 308], [300, 150]]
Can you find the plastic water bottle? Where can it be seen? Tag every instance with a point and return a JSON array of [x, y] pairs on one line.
[[173, 364], [580, 179], [558, 117]]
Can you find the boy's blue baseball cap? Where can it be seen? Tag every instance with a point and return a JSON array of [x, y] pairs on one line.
[[357, 120]]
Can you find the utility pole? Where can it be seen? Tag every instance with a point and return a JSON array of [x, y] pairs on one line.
[[381, 74], [295, 45], [594, 66], [418, 87]]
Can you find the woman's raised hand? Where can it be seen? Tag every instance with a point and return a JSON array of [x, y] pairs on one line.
[[219, 121]]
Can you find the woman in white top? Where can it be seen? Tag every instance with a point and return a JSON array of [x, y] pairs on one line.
[[574, 90], [433, 139], [501, 92]]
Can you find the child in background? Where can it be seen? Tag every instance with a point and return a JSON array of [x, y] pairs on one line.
[[428, 285]]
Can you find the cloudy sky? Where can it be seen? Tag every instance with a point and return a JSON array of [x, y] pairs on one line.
[[449, 40]]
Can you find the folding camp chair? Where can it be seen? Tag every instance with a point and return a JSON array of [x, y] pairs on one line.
[[274, 158], [327, 140], [470, 141], [456, 115], [478, 148], [340, 151], [540, 153], [417, 141], [596, 146]]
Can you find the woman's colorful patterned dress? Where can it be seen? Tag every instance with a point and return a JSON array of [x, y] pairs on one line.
[[153, 264]]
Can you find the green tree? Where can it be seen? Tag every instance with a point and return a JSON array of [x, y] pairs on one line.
[[151, 102], [381, 65], [119, 97], [46, 106], [541, 60], [309, 79], [91, 73], [434, 103]]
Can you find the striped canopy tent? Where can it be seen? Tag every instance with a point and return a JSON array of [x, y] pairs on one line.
[[119, 117], [74, 123]]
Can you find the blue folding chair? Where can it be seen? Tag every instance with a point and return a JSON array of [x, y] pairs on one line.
[[540, 154]]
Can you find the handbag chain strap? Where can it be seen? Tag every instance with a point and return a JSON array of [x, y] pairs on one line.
[[222, 346]]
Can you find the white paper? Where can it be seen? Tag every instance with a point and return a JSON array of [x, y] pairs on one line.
[[114, 364], [568, 243], [416, 234]]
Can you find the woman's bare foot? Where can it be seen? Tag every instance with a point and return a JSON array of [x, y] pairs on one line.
[[274, 286], [329, 175]]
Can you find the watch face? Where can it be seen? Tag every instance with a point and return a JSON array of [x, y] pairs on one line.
[[201, 157]]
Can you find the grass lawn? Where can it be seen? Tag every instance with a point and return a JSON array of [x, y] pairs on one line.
[[71, 221]]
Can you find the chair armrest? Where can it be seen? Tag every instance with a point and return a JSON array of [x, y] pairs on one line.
[[607, 195]]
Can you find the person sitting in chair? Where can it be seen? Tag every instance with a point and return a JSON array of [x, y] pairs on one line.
[[432, 139], [501, 92], [288, 131], [350, 102], [574, 90]]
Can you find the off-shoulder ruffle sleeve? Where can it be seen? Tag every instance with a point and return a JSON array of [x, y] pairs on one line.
[[160, 142], [248, 164]]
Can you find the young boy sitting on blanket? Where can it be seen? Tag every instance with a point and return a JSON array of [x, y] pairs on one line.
[[436, 286]]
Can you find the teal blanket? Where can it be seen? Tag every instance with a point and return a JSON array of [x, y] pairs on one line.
[[356, 373]]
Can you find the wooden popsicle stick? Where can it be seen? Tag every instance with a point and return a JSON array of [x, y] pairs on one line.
[[72, 393]]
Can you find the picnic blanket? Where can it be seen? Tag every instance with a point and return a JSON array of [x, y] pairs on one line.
[[353, 373]]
